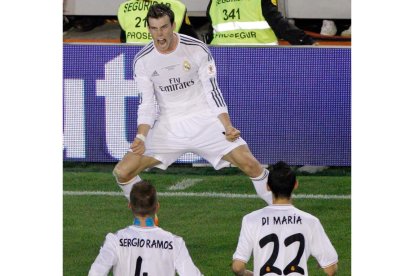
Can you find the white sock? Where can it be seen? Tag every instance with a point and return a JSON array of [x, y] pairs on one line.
[[260, 185], [127, 186]]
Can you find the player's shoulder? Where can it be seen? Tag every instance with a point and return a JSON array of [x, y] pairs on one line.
[[305, 214], [307, 218], [195, 45], [144, 52], [254, 214], [169, 234], [113, 237], [120, 232], [190, 39], [161, 234]]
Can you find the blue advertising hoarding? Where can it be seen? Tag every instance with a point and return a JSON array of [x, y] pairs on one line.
[[290, 103]]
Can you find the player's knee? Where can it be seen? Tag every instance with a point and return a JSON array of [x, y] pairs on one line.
[[116, 173], [251, 167], [121, 174]]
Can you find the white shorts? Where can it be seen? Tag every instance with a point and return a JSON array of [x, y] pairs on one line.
[[202, 135]]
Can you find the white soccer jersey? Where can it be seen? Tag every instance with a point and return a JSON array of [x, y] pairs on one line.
[[282, 238], [183, 82], [148, 251]]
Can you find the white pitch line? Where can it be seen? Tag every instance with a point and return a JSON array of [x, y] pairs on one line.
[[184, 184], [209, 195]]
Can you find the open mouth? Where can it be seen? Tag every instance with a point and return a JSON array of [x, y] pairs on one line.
[[162, 42]]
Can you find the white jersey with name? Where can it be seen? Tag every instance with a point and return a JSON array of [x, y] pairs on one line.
[[282, 238], [183, 83], [143, 251]]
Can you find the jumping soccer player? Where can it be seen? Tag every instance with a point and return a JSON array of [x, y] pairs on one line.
[[179, 73], [143, 248], [281, 236]]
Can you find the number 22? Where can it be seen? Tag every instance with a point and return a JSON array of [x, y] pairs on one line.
[[293, 265]]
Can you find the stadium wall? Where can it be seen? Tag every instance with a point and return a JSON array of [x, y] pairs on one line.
[[290, 103]]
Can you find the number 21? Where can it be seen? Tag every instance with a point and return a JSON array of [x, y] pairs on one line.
[[293, 265], [139, 20]]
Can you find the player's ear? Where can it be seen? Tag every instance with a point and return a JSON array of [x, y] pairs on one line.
[[268, 187], [296, 185], [129, 205], [173, 25], [157, 207]]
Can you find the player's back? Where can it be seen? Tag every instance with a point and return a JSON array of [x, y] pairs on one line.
[[147, 251], [144, 249], [282, 239]]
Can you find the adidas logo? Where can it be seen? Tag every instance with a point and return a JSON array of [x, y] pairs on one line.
[[155, 74]]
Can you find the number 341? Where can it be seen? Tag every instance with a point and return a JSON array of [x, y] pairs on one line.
[[232, 14]]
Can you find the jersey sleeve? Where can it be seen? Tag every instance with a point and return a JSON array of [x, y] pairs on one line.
[[321, 247], [106, 258], [183, 262], [147, 107], [245, 245], [208, 77]]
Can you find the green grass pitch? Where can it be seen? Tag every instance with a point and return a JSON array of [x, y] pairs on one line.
[[209, 225]]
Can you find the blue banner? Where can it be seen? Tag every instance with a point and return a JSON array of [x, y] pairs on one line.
[[290, 103]]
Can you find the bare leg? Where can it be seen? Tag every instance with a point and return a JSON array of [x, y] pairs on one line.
[[244, 159], [127, 170]]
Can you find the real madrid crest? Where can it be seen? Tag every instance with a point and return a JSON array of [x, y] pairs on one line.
[[186, 65]]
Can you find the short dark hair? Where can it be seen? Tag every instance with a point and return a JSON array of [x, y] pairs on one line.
[[281, 180], [159, 10], [143, 198]]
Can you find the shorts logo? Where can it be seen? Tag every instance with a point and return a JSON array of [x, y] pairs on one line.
[[155, 74], [274, 2], [186, 65]]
